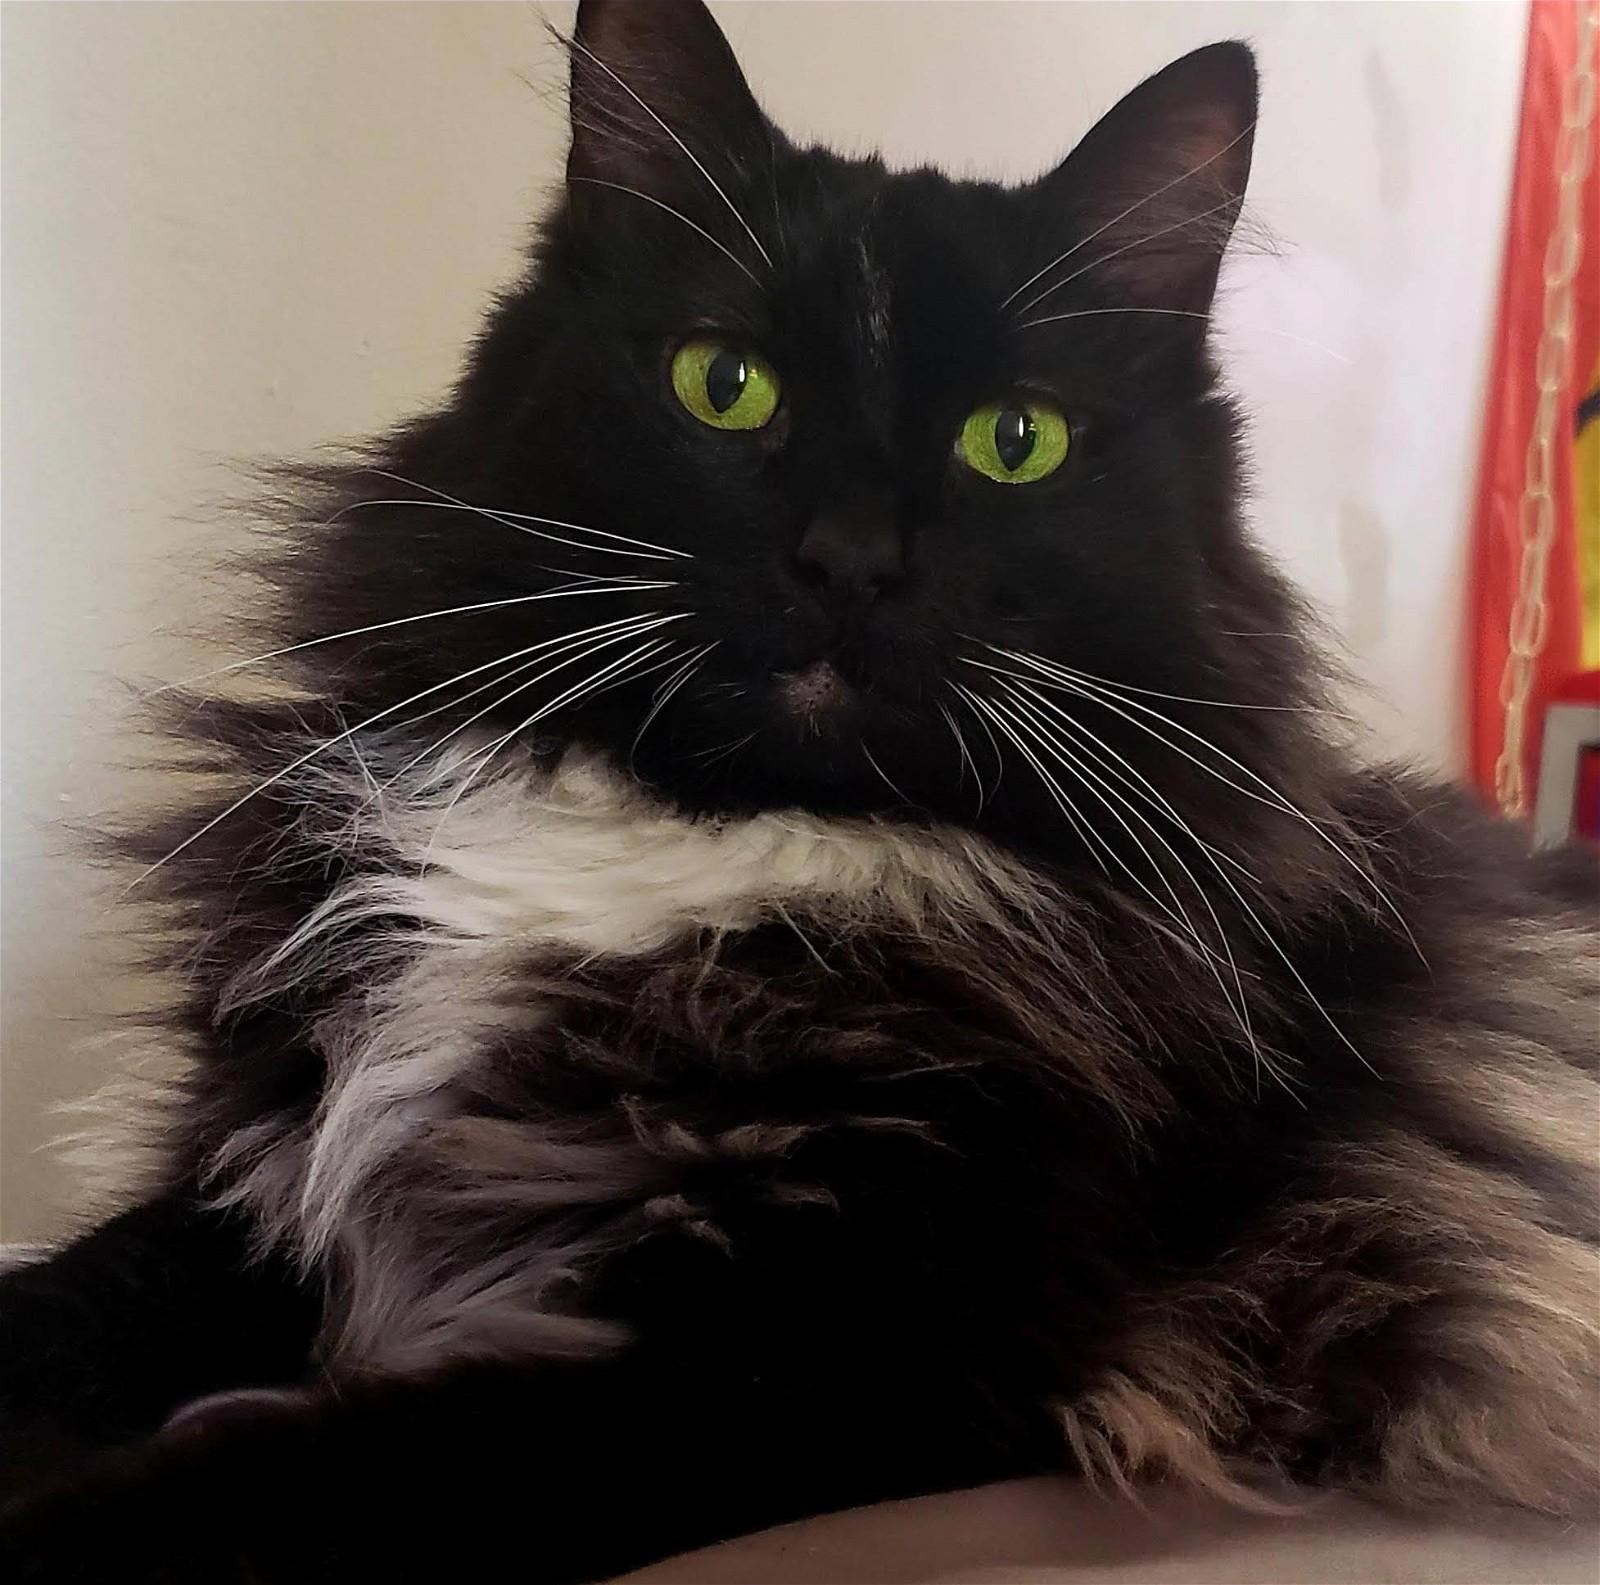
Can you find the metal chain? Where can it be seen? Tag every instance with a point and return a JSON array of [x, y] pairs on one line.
[[1536, 515]]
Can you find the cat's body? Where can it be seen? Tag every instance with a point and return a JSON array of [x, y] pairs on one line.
[[750, 1093]]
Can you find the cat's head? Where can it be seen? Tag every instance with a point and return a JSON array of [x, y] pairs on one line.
[[868, 440]]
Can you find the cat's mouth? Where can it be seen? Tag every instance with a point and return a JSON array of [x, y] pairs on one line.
[[815, 696]]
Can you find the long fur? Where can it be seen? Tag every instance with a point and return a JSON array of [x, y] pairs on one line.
[[1039, 1044]]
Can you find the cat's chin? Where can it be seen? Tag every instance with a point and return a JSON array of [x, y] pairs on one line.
[[800, 758], [811, 736]]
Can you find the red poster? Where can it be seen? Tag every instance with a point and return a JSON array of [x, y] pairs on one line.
[[1557, 87]]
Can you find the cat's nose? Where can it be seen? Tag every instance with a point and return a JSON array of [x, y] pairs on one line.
[[852, 551]]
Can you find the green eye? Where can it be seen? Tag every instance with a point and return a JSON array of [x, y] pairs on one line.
[[724, 386], [1014, 442]]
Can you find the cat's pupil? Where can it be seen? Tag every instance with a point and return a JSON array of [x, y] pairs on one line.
[[1014, 436], [725, 378]]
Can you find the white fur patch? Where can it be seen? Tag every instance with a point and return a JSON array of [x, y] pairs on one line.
[[449, 904]]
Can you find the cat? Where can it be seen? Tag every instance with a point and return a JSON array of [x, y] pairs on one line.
[[791, 926]]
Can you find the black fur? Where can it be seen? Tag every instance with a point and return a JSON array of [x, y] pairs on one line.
[[900, 1210]]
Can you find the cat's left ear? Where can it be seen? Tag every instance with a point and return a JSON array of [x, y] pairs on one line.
[[658, 103], [1149, 198]]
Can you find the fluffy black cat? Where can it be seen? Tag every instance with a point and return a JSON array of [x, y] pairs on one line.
[[793, 930]]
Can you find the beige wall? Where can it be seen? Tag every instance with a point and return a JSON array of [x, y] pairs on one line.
[[229, 231], [237, 230]]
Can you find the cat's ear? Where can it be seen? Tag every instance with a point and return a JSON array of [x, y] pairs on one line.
[[657, 99], [1151, 194]]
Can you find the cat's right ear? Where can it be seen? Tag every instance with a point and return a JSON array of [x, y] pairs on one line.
[[659, 105], [1151, 194]]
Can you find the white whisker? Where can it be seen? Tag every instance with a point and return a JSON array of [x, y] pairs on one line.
[[1127, 774], [999, 758], [1250, 913], [1146, 789], [883, 776], [1026, 716], [1127, 247], [484, 756], [1181, 698], [1050, 743], [617, 187], [311, 754], [967, 761], [1106, 696], [587, 685], [1239, 1007], [644, 549], [503, 518], [641, 672], [551, 647], [402, 621], [727, 751], [1183, 313], [689, 154], [666, 691], [1090, 838], [613, 632], [1165, 187], [666, 687]]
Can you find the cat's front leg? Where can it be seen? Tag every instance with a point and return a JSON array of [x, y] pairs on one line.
[[103, 1339], [391, 1481], [575, 1473], [186, 1505]]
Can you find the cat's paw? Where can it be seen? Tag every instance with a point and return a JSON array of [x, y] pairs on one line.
[[241, 1406], [182, 1507]]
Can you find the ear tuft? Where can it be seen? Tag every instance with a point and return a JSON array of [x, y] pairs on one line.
[[1152, 193]]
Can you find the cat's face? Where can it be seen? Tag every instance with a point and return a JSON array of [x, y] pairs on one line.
[[876, 431]]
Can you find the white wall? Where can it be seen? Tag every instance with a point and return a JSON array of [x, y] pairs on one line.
[[237, 230]]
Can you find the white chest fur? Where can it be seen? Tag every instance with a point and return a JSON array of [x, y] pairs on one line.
[[449, 900]]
